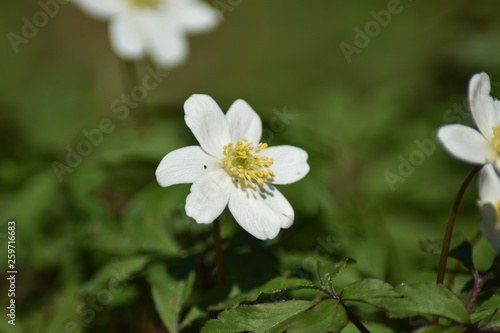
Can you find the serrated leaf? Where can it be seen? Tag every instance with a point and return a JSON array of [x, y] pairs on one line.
[[486, 310], [327, 316], [259, 318], [169, 294], [274, 286], [435, 246], [432, 299], [328, 272], [494, 322], [440, 329], [377, 293], [115, 275], [367, 289]]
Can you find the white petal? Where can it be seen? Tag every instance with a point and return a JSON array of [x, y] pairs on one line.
[[208, 124], [194, 15], [101, 8], [209, 196], [261, 214], [465, 143], [482, 104], [184, 166], [290, 163], [244, 122], [127, 36], [166, 41], [489, 226], [489, 185]]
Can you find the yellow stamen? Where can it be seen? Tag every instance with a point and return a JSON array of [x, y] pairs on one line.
[[496, 139], [497, 209], [145, 3], [247, 168]]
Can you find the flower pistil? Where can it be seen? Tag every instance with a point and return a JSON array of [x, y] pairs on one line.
[[245, 165]]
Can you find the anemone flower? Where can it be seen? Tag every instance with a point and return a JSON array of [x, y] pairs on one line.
[[489, 205], [468, 144], [232, 168], [154, 27]]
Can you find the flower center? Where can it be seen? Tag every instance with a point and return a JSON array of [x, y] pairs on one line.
[[497, 210], [145, 3], [496, 139], [245, 165]]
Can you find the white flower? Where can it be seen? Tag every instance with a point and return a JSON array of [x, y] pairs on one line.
[[468, 144], [489, 205], [231, 168], [155, 27]]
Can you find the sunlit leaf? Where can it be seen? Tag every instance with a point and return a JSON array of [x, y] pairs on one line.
[[327, 316], [259, 318], [486, 310], [367, 289], [274, 287], [440, 329], [432, 299]]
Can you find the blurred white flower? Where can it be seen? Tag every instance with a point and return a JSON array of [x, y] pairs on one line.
[[231, 168], [489, 205], [469, 144], [154, 27]]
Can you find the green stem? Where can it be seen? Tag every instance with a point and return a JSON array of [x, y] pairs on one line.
[[219, 262], [131, 83], [352, 317], [451, 224]]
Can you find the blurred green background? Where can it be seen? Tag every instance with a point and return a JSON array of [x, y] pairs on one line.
[[359, 121]]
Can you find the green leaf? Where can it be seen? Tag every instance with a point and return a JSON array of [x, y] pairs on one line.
[[377, 293], [440, 329], [495, 267], [367, 289], [274, 286], [328, 272], [494, 321], [327, 316], [63, 310], [486, 310], [435, 246], [115, 275], [432, 299], [260, 318], [169, 294], [192, 315], [463, 253], [143, 222]]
